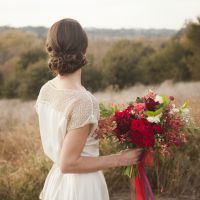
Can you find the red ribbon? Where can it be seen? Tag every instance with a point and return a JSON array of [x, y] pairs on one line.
[[143, 189]]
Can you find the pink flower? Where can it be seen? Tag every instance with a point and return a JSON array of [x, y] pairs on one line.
[[151, 95], [139, 109]]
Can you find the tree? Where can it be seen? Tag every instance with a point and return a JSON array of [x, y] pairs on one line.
[[121, 63], [10, 86], [167, 63], [193, 36], [14, 43], [91, 76], [33, 78], [32, 56]]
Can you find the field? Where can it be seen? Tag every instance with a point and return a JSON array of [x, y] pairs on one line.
[[23, 166]]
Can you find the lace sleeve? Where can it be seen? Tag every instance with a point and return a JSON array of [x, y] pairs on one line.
[[81, 114]]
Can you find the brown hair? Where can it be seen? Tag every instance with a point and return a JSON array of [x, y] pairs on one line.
[[66, 45]]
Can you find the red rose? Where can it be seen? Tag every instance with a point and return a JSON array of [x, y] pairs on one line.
[[142, 133], [143, 138], [138, 124]]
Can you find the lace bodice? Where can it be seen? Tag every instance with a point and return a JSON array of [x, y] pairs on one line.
[[61, 110]]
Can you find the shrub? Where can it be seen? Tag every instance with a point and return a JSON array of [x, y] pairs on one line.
[[92, 77], [32, 80], [121, 63], [168, 63], [30, 57], [10, 87]]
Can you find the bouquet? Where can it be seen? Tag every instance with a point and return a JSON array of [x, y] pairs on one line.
[[151, 122]]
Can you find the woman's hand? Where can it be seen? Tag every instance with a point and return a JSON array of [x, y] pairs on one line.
[[129, 157]]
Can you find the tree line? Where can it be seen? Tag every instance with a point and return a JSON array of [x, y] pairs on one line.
[[23, 63]]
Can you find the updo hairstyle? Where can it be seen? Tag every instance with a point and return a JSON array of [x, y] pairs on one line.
[[66, 45]]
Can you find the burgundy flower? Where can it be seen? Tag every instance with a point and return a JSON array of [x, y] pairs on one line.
[[157, 128], [171, 98], [151, 104], [123, 120]]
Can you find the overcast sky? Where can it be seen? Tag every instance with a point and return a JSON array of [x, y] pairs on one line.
[[100, 13]]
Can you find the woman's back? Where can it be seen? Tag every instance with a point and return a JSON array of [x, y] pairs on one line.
[[59, 111]]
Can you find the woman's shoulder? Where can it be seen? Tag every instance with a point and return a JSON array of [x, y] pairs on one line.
[[61, 99], [47, 89]]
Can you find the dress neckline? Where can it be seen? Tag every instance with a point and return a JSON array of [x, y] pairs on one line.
[[66, 89]]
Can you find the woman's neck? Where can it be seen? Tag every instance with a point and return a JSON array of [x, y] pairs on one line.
[[72, 81]]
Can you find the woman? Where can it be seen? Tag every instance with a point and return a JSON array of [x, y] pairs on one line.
[[68, 116]]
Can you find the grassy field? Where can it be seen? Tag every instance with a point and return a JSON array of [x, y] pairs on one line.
[[23, 166]]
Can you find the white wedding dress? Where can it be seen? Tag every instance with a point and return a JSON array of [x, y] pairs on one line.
[[60, 110]]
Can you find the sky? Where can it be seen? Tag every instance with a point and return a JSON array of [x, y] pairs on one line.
[[114, 14]]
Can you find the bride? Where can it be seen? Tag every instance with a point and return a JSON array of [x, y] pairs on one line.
[[68, 116]]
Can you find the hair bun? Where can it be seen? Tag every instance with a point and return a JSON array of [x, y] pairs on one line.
[[66, 63], [63, 38]]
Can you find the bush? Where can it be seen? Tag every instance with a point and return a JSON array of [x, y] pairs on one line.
[[121, 63], [14, 43], [10, 87], [30, 57], [33, 78], [168, 63], [193, 36], [92, 77]]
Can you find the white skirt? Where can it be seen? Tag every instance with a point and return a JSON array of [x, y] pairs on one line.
[[82, 186]]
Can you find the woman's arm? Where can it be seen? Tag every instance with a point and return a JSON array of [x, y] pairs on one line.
[[72, 162]]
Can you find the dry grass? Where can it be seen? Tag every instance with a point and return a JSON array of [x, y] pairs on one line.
[[181, 91], [23, 166]]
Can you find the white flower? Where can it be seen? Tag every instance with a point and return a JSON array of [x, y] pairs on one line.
[[132, 112], [185, 111], [154, 119], [174, 109], [159, 99], [185, 114]]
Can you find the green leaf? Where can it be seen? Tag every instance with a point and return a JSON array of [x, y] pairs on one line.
[[165, 99], [106, 111], [185, 104], [153, 113]]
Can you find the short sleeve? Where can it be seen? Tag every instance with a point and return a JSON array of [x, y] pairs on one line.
[[82, 113]]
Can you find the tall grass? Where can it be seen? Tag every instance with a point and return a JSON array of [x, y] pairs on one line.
[[23, 166]]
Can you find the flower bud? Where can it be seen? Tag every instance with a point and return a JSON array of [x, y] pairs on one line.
[[171, 98]]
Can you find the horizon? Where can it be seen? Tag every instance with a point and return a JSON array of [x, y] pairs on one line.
[[133, 28], [157, 14]]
